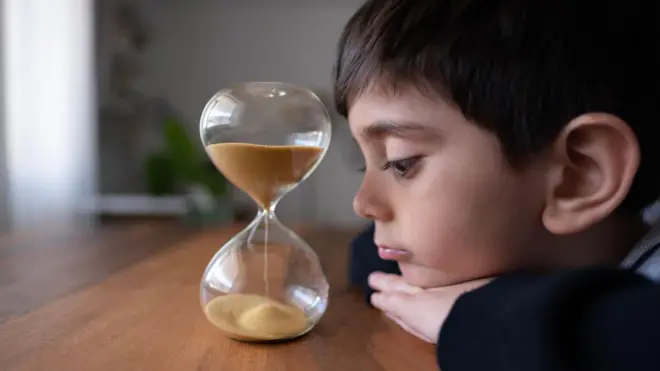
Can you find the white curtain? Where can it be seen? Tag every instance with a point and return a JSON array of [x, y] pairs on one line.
[[49, 111]]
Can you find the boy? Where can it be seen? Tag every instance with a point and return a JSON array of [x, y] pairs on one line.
[[507, 136]]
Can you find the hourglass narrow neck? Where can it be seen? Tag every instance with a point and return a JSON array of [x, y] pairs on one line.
[[268, 212]]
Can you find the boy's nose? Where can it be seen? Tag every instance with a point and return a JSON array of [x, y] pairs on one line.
[[370, 202]]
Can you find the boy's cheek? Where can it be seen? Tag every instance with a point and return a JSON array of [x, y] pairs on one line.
[[454, 247]]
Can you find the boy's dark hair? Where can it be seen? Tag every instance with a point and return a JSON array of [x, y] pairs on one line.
[[521, 69]]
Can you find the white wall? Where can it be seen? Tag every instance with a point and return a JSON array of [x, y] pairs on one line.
[[203, 46], [4, 183], [49, 123]]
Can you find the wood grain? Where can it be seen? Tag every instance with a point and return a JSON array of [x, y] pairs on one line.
[[128, 299]]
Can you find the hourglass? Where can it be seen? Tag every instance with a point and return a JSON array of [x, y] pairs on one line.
[[266, 283]]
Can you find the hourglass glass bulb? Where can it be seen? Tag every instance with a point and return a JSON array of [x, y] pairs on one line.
[[266, 283]]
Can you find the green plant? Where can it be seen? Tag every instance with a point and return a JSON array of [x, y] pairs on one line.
[[180, 164]]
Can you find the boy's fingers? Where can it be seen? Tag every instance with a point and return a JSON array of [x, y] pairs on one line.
[[408, 328], [391, 282], [392, 303], [381, 281]]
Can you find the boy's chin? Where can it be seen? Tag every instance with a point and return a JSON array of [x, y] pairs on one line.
[[425, 277]]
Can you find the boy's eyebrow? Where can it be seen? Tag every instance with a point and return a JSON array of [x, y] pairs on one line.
[[399, 129]]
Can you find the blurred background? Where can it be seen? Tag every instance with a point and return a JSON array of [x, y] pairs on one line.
[[100, 99]]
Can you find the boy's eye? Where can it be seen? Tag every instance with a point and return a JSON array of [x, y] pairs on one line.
[[402, 167]]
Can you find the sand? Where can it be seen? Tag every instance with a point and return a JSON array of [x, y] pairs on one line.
[[256, 318], [262, 171]]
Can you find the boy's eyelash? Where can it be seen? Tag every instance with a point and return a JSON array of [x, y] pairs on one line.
[[401, 167], [406, 163]]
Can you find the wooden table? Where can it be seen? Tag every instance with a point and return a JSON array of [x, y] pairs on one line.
[[125, 298]]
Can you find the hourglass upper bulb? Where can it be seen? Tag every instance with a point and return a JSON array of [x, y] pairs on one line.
[[277, 130]]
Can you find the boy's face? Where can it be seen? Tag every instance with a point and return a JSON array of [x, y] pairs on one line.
[[446, 204]]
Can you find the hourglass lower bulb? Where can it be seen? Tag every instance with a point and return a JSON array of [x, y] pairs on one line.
[[266, 283]]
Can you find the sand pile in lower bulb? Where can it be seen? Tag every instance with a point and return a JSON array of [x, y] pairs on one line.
[[253, 317]]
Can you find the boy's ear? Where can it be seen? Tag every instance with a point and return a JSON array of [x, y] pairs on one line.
[[593, 163]]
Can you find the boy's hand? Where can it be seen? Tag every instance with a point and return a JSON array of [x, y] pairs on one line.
[[418, 311]]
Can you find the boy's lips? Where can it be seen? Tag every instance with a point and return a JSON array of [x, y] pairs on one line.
[[389, 253]]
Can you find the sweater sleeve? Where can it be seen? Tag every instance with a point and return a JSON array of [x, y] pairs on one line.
[[587, 319]]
